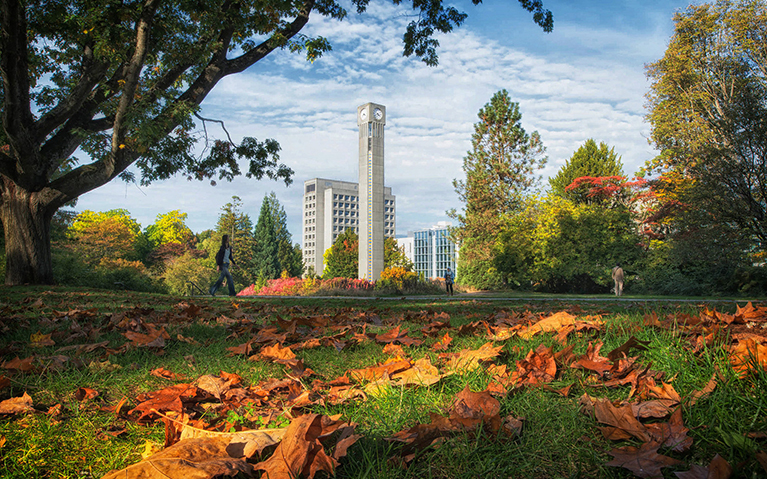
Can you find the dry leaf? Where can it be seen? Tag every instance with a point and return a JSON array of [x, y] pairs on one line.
[[204, 458], [644, 462], [469, 360], [17, 405], [620, 417], [555, 322]]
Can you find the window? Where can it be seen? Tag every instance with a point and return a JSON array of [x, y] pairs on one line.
[[310, 188]]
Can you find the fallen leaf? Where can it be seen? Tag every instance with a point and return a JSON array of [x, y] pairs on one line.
[[625, 348], [83, 394], [748, 354], [17, 405], [204, 458], [443, 343], [300, 453], [423, 373], [469, 360], [165, 374], [717, 469], [644, 462], [17, 364], [39, 340], [552, 323], [620, 417]]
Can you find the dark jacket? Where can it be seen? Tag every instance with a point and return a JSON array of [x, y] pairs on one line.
[[220, 256]]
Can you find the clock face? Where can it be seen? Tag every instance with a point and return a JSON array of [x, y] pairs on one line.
[[378, 113], [363, 115]]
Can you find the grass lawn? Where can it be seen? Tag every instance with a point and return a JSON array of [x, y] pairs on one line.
[[100, 369]]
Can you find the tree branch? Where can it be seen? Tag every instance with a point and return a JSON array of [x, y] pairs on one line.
[[93, 73]]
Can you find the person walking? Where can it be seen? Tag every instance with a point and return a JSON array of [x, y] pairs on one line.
[[618, 278], [449, 282], [224, 257]]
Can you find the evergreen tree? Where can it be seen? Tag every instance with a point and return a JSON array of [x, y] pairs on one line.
[[588, 160], [289, 258], [500, 170], [266, 263]]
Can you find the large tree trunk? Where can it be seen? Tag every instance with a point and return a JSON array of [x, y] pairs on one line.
[[26, 221]]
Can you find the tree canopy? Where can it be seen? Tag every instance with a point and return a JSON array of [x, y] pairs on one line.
[[589, 160], [708, 111], [122, 81]]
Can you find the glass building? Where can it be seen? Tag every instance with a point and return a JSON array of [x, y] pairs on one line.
[[433, 251]]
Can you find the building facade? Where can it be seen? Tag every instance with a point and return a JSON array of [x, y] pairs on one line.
[[331, 207], [432, 250]]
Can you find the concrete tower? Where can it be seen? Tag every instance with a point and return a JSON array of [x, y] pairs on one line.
[[371, 119]]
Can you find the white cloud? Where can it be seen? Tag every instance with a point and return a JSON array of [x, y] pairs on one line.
[[590, 86]]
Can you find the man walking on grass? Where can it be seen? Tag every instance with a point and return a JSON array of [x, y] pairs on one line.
[[618, 278]]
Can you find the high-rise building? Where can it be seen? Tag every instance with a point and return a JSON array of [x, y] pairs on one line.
[[371, 119], [330, 207], [431, 250]]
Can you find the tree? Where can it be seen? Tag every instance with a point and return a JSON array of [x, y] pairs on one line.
[[169, 227], [588, 160], [556, 245], [266, 262], [395, 257], [109, 235], [289, 257], [122, 81], [500, 170], [708, 111], [341, 259]]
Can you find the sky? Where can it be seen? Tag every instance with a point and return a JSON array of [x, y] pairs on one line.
[[586, 79]]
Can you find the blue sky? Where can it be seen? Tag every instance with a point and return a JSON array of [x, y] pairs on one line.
[[584, 80]]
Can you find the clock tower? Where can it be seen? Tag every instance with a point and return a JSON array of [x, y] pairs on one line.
[[371, 119]]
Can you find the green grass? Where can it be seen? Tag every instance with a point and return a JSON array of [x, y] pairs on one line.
[[558, 440]]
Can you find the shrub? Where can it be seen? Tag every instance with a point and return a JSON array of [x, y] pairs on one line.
[[115, 274], [396, 280], [188, 267]]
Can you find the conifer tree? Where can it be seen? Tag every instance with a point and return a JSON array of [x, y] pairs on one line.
[[588, 160], [266, 264], [500, 170]]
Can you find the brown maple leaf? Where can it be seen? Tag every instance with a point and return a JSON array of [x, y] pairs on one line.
[[672, 434], [423, 373], [537, 367], [592, 360], [201, 458], [719, 468], [620, 417], [301, 452], [553, 323], [644, 461], [17, 405], [374, 373], [443, 343], [625, 348]]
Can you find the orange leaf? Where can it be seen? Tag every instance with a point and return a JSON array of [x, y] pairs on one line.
[[83, 394], [555, 322], [747, 355], [469, 360], [277, 352], [443, 343], [423, 373]]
